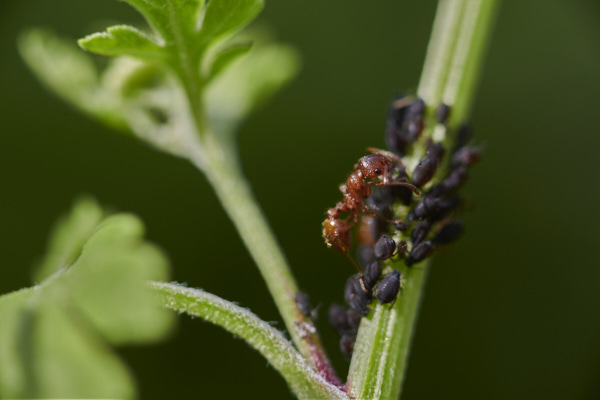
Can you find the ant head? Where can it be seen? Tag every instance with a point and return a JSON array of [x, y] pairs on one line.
[[375, 165]]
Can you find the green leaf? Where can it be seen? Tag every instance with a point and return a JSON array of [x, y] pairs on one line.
[[248, 84], [225, 57], [71, 74], [304, 381], [69, 236], [53, 336], [223, 18], [123, 40], [172, 19]]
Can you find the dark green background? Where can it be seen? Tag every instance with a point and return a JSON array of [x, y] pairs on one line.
[[511, 311]]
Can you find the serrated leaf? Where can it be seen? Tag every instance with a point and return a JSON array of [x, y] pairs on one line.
[[68, 238], [225, 57], [123, 40], [170, 18], [53, 336], [225, 17]]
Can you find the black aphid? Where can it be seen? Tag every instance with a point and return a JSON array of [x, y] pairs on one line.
[[347, 345], [419, 253], [444, 208], [355, 297], [449, 233], [381, 200], [401, 248], [463, 136], [443, 112], [394, 135], [338, 319], [456, 178], [385, 247], [424, 208], [466, 156], [420, 232], [303, 304], [414, 120], [416, 109], [388, 289], [353, 318], [425, 170], [401, 226], [372, 275]]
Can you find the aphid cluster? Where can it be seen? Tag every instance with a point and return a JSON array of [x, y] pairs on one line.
[[401, 214], [346, 320]]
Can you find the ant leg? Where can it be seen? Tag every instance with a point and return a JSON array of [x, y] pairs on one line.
[[396, 223], [360, 275]]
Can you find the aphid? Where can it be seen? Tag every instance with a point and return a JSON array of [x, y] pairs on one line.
[[444, 208], [449, 233], [401, 249], [419, 253], [463, 136], [388, 289], [338, 319], [380, 164], [303, 304], [424, 208], [456, 178], [380, 201], [356, 296], [396, 136], [347, 344], [385, 247], [420, 232], [372, 275], [443, 112], [426, 168], [353, 319], [414, 120], [466, 156]]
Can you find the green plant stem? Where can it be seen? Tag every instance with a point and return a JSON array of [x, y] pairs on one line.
[[304, 381], [454, 57], [223, 172]]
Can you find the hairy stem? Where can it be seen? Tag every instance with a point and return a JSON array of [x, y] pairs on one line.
[[233, 190], [300, 375], [454, 57]]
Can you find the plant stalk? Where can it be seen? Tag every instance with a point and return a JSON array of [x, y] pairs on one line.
[[233, 190], [460, 33], [304, 381]]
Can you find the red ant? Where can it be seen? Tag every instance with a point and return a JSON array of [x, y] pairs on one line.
[[380, 163]]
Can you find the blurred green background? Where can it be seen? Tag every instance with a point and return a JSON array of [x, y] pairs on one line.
[[510, 312]]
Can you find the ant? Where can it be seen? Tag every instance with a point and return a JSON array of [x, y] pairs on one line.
[[380, 163]]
